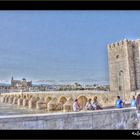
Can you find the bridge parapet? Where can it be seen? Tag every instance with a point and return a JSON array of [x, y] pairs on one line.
[[100, 119]]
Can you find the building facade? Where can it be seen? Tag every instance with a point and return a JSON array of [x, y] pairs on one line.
[[20, 83], [124, 66]]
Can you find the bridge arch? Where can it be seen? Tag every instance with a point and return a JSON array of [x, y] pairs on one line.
[[62, 99], [82, 101], [47, 99], [52, 104], [29, 96], [38, 98]]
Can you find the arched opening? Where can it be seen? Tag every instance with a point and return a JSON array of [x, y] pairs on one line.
[[117, 56], [138, 102], [42, 99], [7, 99], [37, 98], [52, 104], [62, 99], [30, 96], [82, 101], [11, 99], [47, 99]]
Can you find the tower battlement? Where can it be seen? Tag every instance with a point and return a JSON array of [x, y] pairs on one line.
[[124, 66]]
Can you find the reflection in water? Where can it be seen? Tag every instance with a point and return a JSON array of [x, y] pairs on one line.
[[10, 109]]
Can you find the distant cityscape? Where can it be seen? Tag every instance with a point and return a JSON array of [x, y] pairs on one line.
[[51, 85]]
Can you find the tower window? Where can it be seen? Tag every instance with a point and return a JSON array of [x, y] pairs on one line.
[[117, 56], [120, 88]]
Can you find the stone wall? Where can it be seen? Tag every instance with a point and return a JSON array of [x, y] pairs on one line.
[[137, 62], [103, 119]]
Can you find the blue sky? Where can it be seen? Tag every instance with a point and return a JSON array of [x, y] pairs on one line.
[[61, 45]]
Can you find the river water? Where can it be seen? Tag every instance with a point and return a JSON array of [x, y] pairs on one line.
[[10, 109]]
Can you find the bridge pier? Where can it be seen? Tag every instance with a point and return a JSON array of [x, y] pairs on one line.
[[32, 102], [15, 100], [2, 99], [25, 102], [41, 104], [20, 101], [68, 106], [51, 106], [47, 100], [11, 99], [6, 99]]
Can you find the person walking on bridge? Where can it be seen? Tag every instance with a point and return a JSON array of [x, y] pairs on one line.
[[119, 102], [89, 105], [133, 102], [96, 104], [76, 106]]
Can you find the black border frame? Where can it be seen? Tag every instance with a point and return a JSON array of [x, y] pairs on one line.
[[69, 134], [69, 5]]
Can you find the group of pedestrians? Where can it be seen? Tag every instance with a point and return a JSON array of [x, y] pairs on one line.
[[90, 105], [120, 103], [94, 105]]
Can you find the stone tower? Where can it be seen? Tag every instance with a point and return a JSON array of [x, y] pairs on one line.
[[124, 67]]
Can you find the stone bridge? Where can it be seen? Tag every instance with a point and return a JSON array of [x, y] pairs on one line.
[[59, 100]]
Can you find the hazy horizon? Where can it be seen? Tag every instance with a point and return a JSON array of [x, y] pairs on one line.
[[61, 45]]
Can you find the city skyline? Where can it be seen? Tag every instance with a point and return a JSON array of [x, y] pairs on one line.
[[61, 45]]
